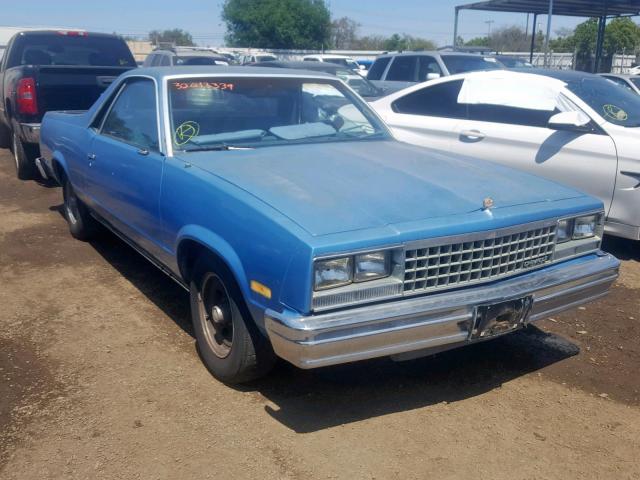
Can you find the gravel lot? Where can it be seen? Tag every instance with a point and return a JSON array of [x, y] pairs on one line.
[[99, 378]]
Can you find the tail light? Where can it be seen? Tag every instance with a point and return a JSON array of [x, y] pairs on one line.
[[27, 102]]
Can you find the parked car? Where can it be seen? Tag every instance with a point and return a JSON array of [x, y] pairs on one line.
[[362, 86], [571, 127], [634, 70], [184, 56], [342, 60], [365, 65], [257, 58], [630, 82], [300, 226], [396, 71], [52, 70], [510, 61]]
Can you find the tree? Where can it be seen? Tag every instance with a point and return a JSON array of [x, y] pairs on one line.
[[176, 37], [369, 42], [407, 42], [303, 24], [507, 39], [344, 33], [621, 34]]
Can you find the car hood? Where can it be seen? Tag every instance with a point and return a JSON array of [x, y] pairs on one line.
[[336, 187]]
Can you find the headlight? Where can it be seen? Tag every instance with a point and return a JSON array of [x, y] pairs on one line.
[[585, 227], [332, 273], [370, 266], [564, 231]]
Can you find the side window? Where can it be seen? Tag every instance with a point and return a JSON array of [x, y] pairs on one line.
[[403, 69], [510, 115], [132, 118], [378, 68], [439, 100], [426, 66]]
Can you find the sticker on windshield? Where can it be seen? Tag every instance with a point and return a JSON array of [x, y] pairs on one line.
[[615, 113], [185, 132], [203, 85]]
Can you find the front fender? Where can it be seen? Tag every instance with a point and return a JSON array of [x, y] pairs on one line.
[[220, 247]]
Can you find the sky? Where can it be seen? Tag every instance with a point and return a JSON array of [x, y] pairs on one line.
[[423, 18]]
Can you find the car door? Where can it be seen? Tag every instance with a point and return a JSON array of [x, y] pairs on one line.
[[521, 138], [427, 117], [125, 164]]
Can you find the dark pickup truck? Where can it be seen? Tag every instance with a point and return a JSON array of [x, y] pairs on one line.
[[48, 70]]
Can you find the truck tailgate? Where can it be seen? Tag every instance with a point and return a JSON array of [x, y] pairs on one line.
[[73, 87]]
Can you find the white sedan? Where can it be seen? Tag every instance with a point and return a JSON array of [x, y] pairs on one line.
[[572, 127]]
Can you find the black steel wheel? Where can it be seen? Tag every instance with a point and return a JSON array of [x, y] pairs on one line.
[[229, 343]]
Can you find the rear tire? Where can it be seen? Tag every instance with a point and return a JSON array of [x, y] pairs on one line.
[[81, 224], [25, 165], [230, 345]]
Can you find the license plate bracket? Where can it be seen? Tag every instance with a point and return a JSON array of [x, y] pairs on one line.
[[499, 318]]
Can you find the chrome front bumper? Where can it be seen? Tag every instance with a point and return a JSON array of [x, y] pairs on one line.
[[433, 322]]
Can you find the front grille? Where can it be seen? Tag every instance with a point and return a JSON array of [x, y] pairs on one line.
[[451, 265]]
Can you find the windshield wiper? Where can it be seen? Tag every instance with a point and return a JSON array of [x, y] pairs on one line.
[[216, 147]]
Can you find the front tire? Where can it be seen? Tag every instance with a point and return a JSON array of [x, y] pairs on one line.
[[81, 224], [229, 343], [25, 165]]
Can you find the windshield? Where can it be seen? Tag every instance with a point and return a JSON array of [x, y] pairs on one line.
[[58, 49], [461, 64], [211, 112], [361, 85], [636, 81], [616, 105]]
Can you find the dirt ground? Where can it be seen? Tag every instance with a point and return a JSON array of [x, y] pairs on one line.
[[99, 379]]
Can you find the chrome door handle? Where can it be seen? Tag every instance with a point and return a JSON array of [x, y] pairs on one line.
[[473, 134], [91, 156], [143, 151]]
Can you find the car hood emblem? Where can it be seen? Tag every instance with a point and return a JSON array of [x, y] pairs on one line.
[[487, 203]]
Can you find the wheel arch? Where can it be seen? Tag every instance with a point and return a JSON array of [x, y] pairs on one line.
[[59, 166], [195, 241]]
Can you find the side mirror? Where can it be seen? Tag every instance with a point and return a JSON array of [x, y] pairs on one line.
[[572, 121], [361, 67], [433, 76]]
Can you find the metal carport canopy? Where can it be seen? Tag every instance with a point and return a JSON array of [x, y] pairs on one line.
[[570, 8], [601, 9]]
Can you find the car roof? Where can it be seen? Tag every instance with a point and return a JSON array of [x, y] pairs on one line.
[[301, 65], [326, 55], [563, 75], [35, 33], [189, 53], [434, 53], [160, 73]]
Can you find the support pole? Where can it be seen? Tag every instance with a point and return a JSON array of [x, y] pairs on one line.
[[533, 37], [602, 24], [546, 39], [455, 29]]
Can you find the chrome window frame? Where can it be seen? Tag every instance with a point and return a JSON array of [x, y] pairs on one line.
[[120, 85]]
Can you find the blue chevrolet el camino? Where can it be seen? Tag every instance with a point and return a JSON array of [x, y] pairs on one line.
[[303, 230]]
